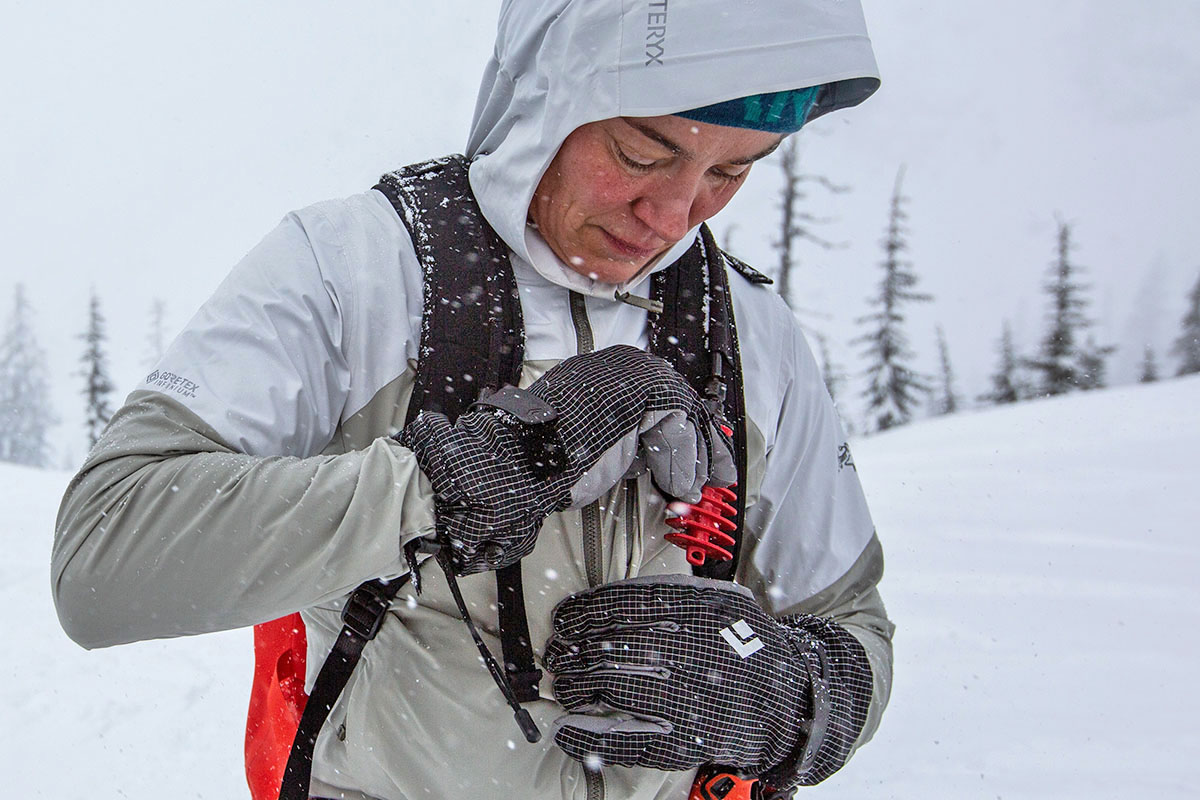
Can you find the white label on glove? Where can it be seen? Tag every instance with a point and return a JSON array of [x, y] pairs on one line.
[[742, 638]]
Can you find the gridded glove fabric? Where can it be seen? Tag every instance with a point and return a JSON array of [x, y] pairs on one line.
[[494, 483], [671, 672], [841, 708]]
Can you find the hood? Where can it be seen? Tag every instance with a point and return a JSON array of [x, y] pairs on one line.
[[559, 64]]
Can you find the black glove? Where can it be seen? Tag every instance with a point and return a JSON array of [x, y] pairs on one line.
[[672, 672], [518, 456]]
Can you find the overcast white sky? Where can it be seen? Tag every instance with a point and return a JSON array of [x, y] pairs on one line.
[[149, 145]]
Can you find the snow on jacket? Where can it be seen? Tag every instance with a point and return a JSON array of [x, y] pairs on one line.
[[251, 474]]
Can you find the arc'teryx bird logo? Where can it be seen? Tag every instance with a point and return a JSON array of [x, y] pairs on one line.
[[845, 459], [742, 638]]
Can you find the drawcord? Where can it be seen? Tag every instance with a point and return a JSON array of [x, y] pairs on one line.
[[653, 306], [524, 721]]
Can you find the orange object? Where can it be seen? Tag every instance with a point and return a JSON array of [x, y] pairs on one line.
[[712, 785], [277, 700]]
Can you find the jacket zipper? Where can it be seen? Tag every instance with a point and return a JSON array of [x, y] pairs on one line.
[[632, 522], [592, 544], [593, 548]]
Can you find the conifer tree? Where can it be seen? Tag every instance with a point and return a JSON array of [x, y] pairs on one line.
[[893, 385], [1007, 386], [26, 415], [1149, 366], [947, 401], [727, 238], [1064, 363], [156, 338], [1093, 369], [794, 223], [1187, 346], [98, 386]]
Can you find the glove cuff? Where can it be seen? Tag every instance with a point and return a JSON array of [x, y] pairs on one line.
[[840, 683], [537, 427]]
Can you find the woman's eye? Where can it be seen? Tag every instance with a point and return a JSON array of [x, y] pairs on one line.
[[633, 162], [729, 177]]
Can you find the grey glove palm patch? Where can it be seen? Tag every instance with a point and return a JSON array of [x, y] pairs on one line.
[[493, 490]]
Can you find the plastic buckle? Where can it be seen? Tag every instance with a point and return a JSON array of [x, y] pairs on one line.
[[365, 610]]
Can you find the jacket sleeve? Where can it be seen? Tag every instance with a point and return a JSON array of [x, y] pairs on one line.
[[206, 504], [813, 548]]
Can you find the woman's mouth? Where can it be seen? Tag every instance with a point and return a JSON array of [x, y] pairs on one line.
[[628, 249]]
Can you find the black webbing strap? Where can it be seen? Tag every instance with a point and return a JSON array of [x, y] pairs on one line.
[[723, 344], [362, 616], [523, 674]]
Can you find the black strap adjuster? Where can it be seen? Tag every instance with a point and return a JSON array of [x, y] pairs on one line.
[[366, 609], [525, 684]]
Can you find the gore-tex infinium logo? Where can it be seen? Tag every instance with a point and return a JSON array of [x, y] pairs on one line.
[[742, 638], [170, 382], [656, 32]]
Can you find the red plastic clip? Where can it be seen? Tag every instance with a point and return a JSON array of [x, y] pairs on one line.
[[703, 530]]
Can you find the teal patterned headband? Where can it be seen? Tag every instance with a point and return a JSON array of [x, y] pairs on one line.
[[774, 112]]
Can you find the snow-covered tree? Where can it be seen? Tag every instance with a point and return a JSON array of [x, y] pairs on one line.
[[1064, 364], [795, 223], [1007, 384], [1093, 367], [98, 386], [893, 385], [1149, 366], [947, 400], [26, 415], [1187, 346]]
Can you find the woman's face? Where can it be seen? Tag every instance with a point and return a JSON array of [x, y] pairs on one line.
[[622, 191]]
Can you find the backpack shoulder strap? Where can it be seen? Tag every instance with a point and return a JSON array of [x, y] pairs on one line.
[[472, 335], [703, 347]]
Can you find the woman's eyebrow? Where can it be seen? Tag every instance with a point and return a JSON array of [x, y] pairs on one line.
[[760, 155], [680, 151], [651, 133]]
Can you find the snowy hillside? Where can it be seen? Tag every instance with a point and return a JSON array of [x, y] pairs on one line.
[[1042, 568], [149, 720]]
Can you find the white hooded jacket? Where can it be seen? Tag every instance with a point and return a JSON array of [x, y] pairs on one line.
[[559, 65], [251, 474]]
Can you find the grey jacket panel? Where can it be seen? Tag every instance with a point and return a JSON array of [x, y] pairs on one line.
[[166, 531], [854, 602]]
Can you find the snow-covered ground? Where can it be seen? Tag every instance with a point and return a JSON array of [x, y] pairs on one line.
[[1042, 566]]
